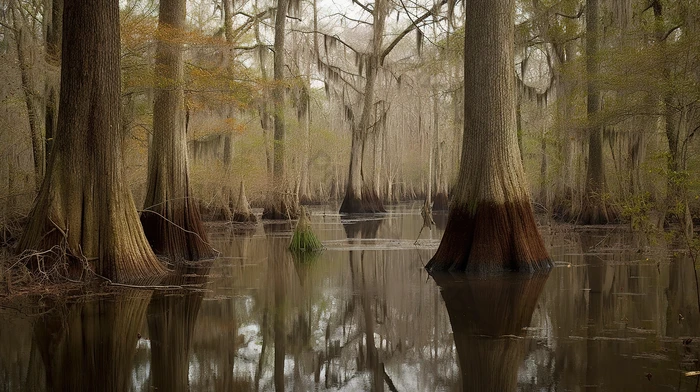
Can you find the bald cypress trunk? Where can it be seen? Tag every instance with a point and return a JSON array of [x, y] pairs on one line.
[[171, 219], [360, 196], [84, 200], [491, 225], [282, 204], [595, 209]]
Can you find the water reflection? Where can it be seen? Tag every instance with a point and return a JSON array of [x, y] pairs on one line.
[[171, 319], [90, 346], [364, 315], [488, 316]]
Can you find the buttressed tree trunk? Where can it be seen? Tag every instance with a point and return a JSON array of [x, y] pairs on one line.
[[360, 196], [282, 205], [171, 219], [491, 226], [83, 199]]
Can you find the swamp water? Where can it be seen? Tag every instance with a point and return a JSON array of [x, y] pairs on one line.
[[615, 314]]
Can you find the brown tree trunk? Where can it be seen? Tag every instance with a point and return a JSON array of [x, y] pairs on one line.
[[359, 195], [83, 199], [595, 207], [171, 219], [491, 226], [282, 204], [31, 102]]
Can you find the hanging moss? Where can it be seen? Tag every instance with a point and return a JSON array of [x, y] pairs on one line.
[[304, 240]]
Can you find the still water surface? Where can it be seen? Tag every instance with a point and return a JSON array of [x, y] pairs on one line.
[[612, 315]]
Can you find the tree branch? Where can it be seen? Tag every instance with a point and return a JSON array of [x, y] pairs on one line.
[[414, 24]]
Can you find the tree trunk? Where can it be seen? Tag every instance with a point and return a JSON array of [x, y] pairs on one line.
[[282, 204], [31, 103], [52, 82], [83, 199], [171, 219], [491, 226], [440, 202], [595, 207], [360, 196]]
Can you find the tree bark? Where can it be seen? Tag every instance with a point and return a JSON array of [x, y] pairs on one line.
[[359, 195], [171, 219], [84, 200], [282, 205], [595, 207], [491, 226]]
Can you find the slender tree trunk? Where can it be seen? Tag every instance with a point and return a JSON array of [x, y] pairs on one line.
[[265, 120], [31, 102], [171, 219], [283, 205], [491, 225], [595, 207], [440, 202], [359, 196], [52, 82], [84, 200]]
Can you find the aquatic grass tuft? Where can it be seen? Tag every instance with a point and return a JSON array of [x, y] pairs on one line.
[[304, 240]]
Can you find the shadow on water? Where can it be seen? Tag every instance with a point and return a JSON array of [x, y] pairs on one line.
[[488, 316]]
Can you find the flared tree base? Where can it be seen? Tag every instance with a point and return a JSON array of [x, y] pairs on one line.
[[597, 212], [441, 202], [281, 210], [494, 238], [368, 203], [179, 235]]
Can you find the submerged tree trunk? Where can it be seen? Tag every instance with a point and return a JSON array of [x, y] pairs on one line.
[[491, 226], [83, 199], [595, 209], [171, 219]]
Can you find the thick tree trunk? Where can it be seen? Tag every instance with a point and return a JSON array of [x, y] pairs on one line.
[[171, 219], [83, 199], [491, 226], [595, 206], [360, 196]]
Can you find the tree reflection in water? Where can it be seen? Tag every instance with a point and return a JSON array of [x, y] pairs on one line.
[[89, 346], [171, 320], [488, 317]]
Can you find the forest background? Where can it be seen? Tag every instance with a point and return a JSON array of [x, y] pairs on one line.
[[645, 67]]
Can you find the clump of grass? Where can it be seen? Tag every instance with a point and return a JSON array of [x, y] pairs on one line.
[[304, 240]]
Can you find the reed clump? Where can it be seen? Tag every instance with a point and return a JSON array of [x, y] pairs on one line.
[[304, 240]]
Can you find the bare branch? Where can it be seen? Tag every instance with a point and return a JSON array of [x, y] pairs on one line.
[[414, 24]]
